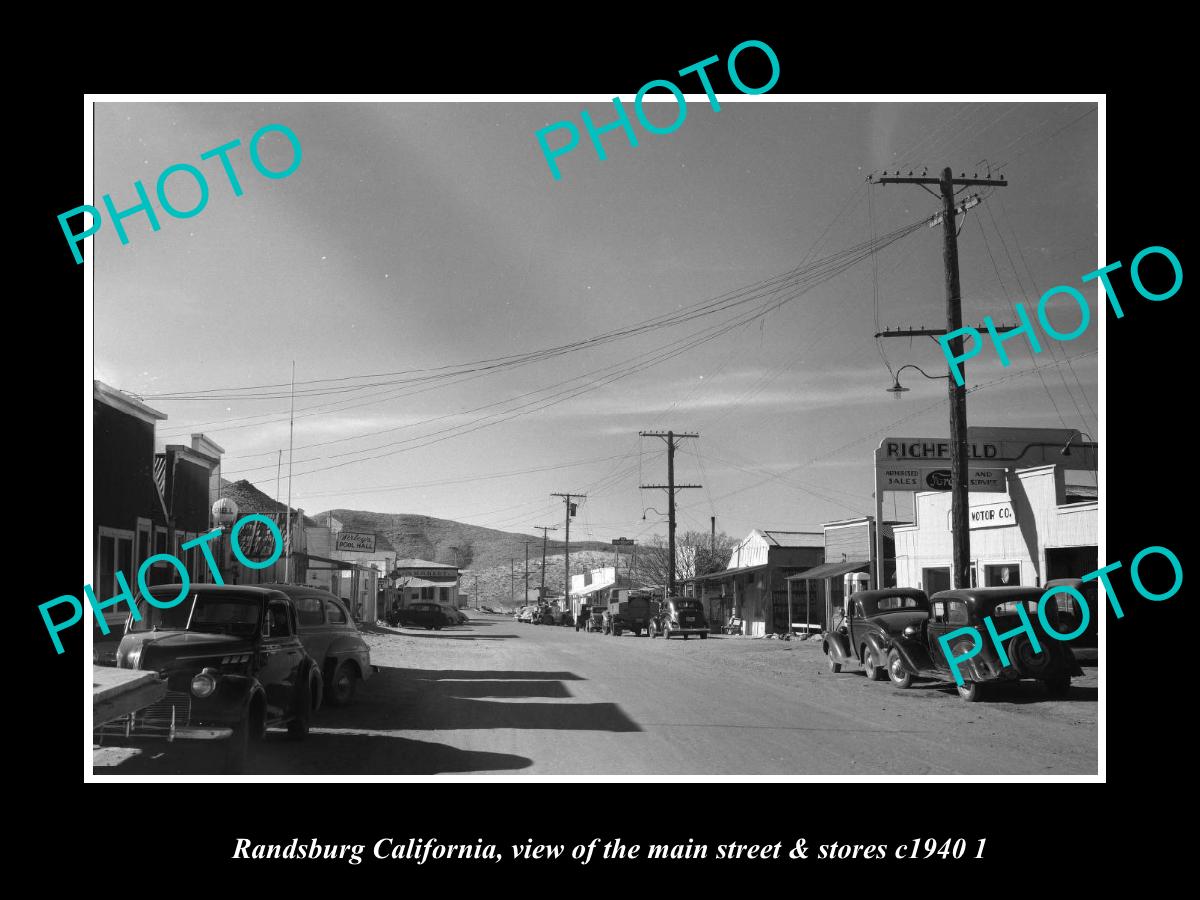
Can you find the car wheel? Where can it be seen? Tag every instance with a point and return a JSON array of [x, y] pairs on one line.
[[969, 691], [343, 684], [652, 630], [666, 632], [703, 635], [239, 748], [298, 726], [874, 672], [901, 677], [1058, 685], [834, 665]]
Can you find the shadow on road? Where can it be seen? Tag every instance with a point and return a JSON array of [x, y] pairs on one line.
[[442, 635]]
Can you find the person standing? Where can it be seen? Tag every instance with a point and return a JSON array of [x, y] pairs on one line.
[[581, 619]]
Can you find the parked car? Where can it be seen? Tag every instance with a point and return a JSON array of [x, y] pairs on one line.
[[595, 620], [679, 615], [875, 619], [330, 636], [526, 614], [234, 665], [419, 615], [917, 653]]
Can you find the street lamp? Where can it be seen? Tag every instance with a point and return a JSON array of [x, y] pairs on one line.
[[896, 389]]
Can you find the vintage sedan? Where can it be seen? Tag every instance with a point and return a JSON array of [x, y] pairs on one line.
[[679, 615], [234, 665], [330, 636], [429, 616], [874, 619], [918, 652]]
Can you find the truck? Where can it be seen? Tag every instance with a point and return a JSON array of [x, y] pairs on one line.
[[630, 610]]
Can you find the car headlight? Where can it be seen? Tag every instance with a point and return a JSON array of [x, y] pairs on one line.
[[910, 631], [133, 657], [203, 685]]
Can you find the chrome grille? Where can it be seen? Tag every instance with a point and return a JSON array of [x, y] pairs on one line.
[[159, 719]]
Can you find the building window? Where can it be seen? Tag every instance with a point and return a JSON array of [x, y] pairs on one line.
[[114, 553], [1002, 575], [427, 593], [143, 541], [160, 539]]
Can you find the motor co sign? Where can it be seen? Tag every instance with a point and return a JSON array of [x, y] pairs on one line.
[[990, 515]]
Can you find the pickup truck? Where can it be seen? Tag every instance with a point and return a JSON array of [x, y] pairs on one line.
[[630, 611]]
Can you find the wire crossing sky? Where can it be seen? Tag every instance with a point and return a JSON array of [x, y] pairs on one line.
[[468, 333]]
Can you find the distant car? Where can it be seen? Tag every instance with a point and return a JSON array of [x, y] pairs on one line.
[[595, 620], [429, 616], [917, 653], [679, 615], [876, 619], [459, 617], [526, 613], [234, 665], [330, 636]]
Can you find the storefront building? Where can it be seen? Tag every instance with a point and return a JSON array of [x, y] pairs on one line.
[[1040, 529], [754, 585], [421, 580]]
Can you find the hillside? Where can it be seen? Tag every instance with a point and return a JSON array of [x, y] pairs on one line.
[[425, 537], [496, 588]]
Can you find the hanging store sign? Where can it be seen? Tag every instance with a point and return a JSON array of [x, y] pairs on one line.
[[989, 515], [356, 541], [988, 447]]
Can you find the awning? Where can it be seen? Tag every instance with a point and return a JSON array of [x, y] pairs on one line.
[[727, 573], [831, 570], [425, 582], [335, 563]]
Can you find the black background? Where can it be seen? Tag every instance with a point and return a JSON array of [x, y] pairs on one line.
[[141, 831]]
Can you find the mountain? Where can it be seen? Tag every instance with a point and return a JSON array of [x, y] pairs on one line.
[[411, 536]]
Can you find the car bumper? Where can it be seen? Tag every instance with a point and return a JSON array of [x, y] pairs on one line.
[[689, 630]]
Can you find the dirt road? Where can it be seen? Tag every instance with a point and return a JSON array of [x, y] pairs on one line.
[[498, 697]]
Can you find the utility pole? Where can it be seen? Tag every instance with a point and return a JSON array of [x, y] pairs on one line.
[[959, 522], [672, 438], [567, 546], [287, 561], [527, 543], [543, 529], [512, 580]]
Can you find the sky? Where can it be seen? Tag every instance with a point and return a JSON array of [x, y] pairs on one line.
[[421, 235]]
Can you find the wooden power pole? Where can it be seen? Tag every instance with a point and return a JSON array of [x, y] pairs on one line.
[[959, 521], [672, 438], [543, 529], [567, 545]]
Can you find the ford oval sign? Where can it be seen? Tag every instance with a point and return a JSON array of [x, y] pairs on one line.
[[938, 479]]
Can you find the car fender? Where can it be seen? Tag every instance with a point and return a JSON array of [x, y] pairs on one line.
[[310, 672], [879, 645], [231, 700], [914, 655], [838, 646]]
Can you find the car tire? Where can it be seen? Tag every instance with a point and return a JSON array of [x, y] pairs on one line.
[[652, 631], [343, 684], [900, 676], [666, 632], [969, 691], [703, 635], [1058, 685], [834, 666], [298, 726], [241, 744]]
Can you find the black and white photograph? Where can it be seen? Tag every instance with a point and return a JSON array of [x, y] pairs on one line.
[[697, 434]]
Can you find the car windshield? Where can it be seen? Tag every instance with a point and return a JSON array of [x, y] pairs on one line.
[[215, 613], [688, 604]]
